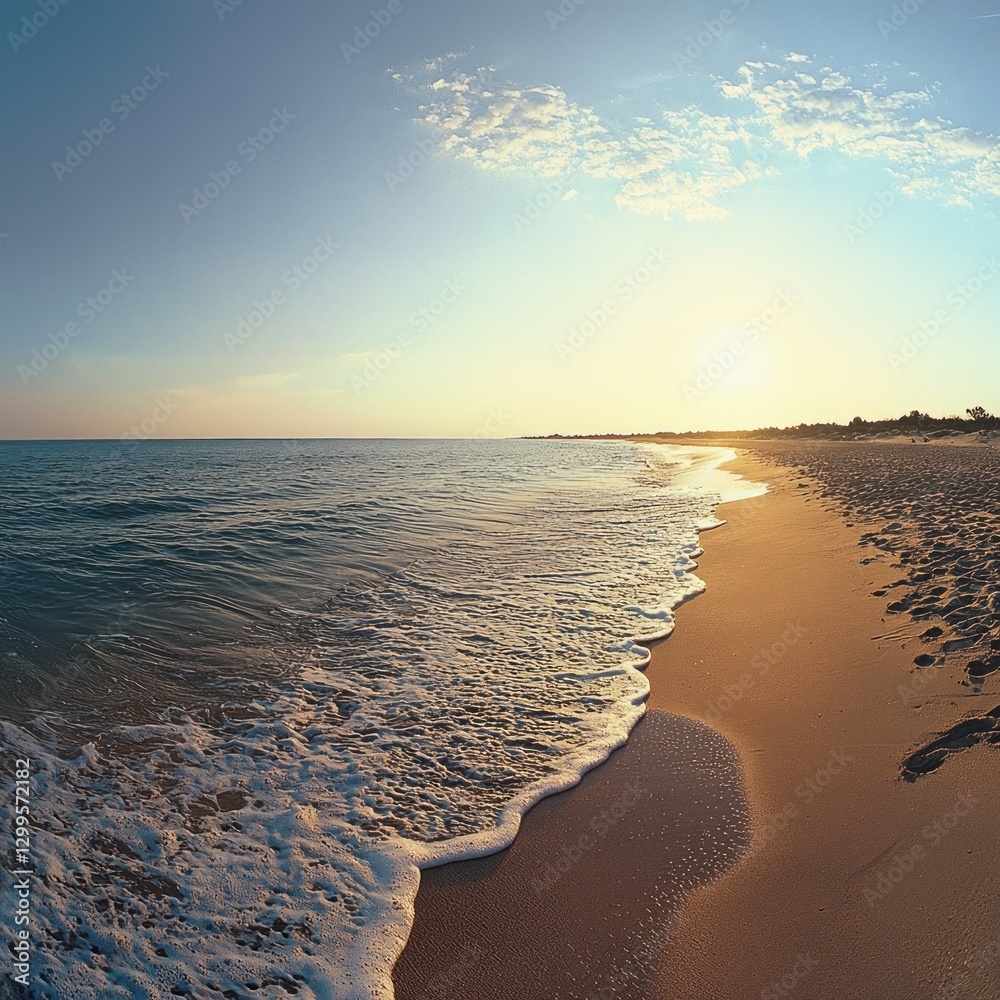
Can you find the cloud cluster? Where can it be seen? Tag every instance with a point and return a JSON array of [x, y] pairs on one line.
[[807, 111], [682, 165], [685, 163]]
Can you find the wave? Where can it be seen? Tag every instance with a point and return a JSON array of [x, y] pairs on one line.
[[266, 832]]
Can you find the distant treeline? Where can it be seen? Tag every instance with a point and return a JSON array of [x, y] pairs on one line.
[[913, 423]]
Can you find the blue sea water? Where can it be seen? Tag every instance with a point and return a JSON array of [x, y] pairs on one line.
[[262, 683]]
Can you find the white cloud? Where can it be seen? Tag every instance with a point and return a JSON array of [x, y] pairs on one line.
[[679, 166], [811, 112], [686, 162]]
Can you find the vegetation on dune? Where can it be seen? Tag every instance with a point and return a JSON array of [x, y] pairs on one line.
[[913, 424]]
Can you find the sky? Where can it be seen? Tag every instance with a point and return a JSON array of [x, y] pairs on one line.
[[397, 218]]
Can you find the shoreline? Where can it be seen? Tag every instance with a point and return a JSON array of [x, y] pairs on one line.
[[859, 884], [819, 732], [714, 833], [685, 749]]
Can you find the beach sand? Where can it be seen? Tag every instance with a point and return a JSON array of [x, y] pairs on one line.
[[792, 849]]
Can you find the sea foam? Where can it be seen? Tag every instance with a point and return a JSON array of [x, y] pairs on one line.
[[263, 834]]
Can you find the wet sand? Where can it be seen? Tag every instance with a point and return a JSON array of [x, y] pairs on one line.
[[594, 880], [864, 875]]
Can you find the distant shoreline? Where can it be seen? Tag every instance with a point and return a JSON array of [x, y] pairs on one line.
[[980, 427], [743, 438]]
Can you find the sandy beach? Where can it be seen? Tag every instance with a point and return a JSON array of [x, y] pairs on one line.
[[371, 378], [809, 807]]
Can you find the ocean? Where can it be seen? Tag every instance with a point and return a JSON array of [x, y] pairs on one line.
[[261, 683]]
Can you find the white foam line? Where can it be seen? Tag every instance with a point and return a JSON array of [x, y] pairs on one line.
[[702, 470], [412, 855]]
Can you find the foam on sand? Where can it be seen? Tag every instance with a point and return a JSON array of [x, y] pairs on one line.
[[271, 843]]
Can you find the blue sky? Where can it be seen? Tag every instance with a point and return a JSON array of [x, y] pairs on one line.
[[235, 220]]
